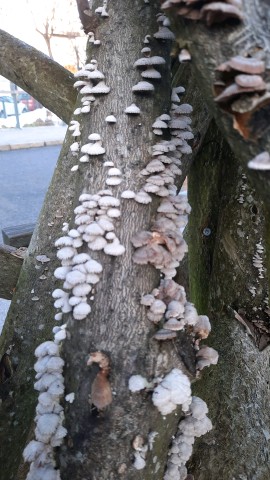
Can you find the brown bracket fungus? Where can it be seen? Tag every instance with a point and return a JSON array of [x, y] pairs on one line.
[[241, 91], [101, 393], [209, 12]]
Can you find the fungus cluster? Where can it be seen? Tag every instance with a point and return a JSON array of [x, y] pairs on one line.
[[170, 310], [147, 64], [91, 83], [164, 32], [75, 146], [93, 148], [102, 11], [241, 90], [49, 431], [240, 75], [92, 39], [206, 10], [163, 246], [114, 176], [173, 390], [163, 167], [195, 424], [94, 220], [75, 128]]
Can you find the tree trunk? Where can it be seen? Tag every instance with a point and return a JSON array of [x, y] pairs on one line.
[[11, 260], [43, 78], [224, 281], [99, 446]]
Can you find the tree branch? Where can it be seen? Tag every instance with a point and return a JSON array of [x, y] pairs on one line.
[[88, 18], [43, 78], [209, 48], [11, 260]]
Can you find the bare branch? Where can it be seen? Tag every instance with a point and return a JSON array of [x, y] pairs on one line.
[[43, 78]]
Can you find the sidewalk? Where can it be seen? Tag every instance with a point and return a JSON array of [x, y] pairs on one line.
[[29, 137]]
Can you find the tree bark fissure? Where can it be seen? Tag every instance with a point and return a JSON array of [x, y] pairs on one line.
[[43, 78]]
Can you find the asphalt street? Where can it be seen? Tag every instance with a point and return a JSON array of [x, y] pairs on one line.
[[24, 178]]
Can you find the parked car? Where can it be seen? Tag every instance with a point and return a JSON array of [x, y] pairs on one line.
[[29, 101], [7, 107]]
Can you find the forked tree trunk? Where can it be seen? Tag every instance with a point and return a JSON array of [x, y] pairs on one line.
[[222, 280], [98, 446]]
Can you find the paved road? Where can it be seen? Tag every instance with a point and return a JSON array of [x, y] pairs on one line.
[[24, 178]]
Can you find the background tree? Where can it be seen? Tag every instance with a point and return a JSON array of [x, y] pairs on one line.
[[222, 277]]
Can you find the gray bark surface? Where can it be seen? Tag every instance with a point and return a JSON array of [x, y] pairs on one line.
[[222, 274], [36, 73]]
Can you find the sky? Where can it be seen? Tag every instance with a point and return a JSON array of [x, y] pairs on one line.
[[21, 17]]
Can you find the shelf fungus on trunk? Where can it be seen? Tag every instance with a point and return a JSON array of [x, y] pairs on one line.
[[242, 91], [207, 11], [101, 392]]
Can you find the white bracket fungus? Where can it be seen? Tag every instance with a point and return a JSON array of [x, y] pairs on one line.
[[195, 424], [95, 145], [260, 162], [133, 110], [143, 87], [110, 119], [137, 383]]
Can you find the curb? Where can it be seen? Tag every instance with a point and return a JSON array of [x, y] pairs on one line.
[[18, 146]]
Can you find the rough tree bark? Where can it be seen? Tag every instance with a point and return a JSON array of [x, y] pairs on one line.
[[98, 446], [36, 73], [11, 260], [223, 280], [120, 327]]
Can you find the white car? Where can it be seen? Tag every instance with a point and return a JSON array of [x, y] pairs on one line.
[[7, 107]]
